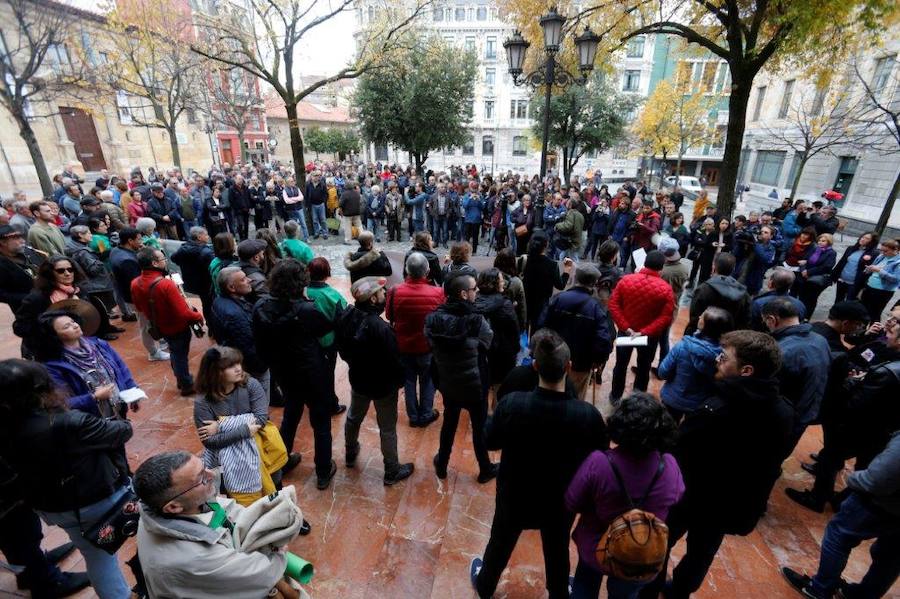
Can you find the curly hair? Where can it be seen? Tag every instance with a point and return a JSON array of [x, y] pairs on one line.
[[288, 279], [460, 252], [641, 425], [26, 386], [45, 280]]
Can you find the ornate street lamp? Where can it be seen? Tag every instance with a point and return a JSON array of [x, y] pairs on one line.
[[550, 74]]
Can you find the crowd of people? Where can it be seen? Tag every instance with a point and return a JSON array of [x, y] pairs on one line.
[[578, 273]]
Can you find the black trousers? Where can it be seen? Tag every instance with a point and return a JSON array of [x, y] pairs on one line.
[[20, 542], [505, 531], [299, 392], [703, 542], [473, 233], [242, 221], [645, 357], [478, 415]]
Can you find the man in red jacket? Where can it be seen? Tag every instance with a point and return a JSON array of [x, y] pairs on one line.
[[407, 306], [641, 304], [170, 313]]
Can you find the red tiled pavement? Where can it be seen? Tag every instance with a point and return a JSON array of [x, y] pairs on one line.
[[416, 539]]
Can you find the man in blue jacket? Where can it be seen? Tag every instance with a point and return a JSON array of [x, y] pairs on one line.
[[780, 284], [416, 202], [473, 208]]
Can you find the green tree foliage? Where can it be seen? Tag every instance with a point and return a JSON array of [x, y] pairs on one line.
[[422, 103], [331, 141], [591, 118]]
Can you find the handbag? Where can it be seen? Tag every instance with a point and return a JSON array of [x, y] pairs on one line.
[[521, 230]]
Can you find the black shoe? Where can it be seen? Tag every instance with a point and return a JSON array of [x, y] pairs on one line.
[[806, 499], [439, 471], [339, 410], [814, 456], [654, 371], [58, 554], [810, 468], [68, 584], [113, 329], [323, 482], [430, 418], [294, 460], [634, 369], [305, 528], [108, 336], [352, 454], [129, 317], [404, 471], [800, 582], [488, 475], [187, 391]]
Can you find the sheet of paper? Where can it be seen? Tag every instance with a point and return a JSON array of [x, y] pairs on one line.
[[639, 255], [132, 395], [639, 341]]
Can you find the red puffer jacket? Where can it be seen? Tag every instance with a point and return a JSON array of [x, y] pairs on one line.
[[642, 302], [173, 314], [407, 306]]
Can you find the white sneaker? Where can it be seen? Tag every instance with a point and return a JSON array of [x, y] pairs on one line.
[[158, 356]]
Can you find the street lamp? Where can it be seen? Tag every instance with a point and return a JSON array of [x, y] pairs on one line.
[[549, 74]]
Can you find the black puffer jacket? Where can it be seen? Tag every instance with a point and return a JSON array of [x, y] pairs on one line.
[[501, 316], [460, 339], [369, 346], [286, 333], [68, 459], [435, 274], [193, 259]]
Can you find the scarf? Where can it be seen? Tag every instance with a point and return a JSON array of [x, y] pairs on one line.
[[63, 292], [94, 368]]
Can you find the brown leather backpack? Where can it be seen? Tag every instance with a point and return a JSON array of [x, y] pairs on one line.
[[635, 544]]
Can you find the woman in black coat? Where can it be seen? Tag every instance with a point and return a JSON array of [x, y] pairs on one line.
[[720, 240], [540, 276], [860, 254], [423, 244], [702, 251], [215, 212], [501, 315]]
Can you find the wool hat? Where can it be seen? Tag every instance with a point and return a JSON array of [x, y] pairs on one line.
[[366, 287], [250, 247], [669, 247], [849, 310]]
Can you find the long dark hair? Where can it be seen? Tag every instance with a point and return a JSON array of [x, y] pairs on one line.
[[24, 387], [224, 246], [46, 344], [45, 280], [536, 246]]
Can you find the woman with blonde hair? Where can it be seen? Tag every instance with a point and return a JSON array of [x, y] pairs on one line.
[[700, 204]]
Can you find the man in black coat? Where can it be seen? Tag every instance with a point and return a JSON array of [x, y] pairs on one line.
[[165, 211], [367, 261], [369, 346], [730, 452], [193, 258], [722, 291], [544, 436], [18, 267]]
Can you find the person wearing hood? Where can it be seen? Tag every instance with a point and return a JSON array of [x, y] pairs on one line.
[[369, 346], [675, 273], [805, 363], [252, 253], [723, 291], [184, 536], [286, 329], [493, 304], [367, 261], [727, 489], [460, 338], [193, 258], [689, 369], [423, 244], [169, 312]]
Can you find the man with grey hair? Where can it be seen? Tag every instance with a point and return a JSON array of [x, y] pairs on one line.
[[584, 324], [183, 554], [780, 283], [118, 219], [193, 258], [22, 218]]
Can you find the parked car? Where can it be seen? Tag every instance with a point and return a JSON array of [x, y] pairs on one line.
[[686, 183]]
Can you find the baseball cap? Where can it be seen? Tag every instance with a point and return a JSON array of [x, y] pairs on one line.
[[366, 287], [849, 310], [8, 231], [669, 247], [250, 247]]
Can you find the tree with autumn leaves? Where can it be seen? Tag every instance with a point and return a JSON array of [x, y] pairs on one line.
[[748, 35]]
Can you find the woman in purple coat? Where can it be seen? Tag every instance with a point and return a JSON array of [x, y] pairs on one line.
[[643, 431]]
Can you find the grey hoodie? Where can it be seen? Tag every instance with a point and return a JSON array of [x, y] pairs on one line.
[[881, 480]]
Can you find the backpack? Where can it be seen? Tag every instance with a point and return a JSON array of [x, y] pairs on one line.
[[635, 544]]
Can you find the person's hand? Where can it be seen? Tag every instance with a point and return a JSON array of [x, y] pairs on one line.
[[568, 265], [874, 268], [135, 406], [104, 392], [284, 590], [875, 328], [632, 333], [166, 219], [801, 262], [254, 428], [209, 428]]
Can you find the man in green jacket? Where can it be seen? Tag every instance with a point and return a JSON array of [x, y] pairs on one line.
[[331, 303], [44, 235], [569, 230]]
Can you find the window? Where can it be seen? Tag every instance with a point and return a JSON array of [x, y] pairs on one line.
[[490, 48], [460, 14], [381, 152], [481, 13], [123, 107], [470, 14], [488, 110], [238, 83], [795, 166], [708, 79], [883, 68], [371, 13], [620, 152], [786, 99], [487, 145], [520, 145], [742, 167], [470, 110], [818, 101], [518, 109], [449, 151], [438, 15], [760, 98], [450, 40], [845, 174], [192, 116], [468, 148], [631, 81], [635, 47], [767, 169], [490, 76], [470, 43], [57, 56]]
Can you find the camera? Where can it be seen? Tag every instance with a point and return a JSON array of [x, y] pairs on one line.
[[197, 329]]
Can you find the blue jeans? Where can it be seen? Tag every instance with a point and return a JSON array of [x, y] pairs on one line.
[[297, 215], [102, 568], [418, 225], [372, 225], [418, 369], [179, 349], [586, 585], [440, 230], [320, 227], [856, 522]]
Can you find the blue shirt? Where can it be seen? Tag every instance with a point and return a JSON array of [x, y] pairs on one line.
[[888, 278], [848, 275]]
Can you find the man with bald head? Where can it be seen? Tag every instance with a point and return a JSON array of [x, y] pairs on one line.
[[779, 285]]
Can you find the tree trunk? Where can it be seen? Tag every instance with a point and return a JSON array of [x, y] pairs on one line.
[[37, 157], [677, 172], [417, 159], [796, 182], [173, 143], [296, 144], [243, 154], [888, 207], [731, 158], [567, 168]]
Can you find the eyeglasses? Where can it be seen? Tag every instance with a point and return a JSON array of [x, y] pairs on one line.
[[64, 270], [206, 477]]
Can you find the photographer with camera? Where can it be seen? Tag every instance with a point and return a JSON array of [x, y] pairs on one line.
[[159, 299], [755, 254]]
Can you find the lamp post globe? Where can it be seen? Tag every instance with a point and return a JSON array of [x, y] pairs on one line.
[[552, 24], [586, 44]]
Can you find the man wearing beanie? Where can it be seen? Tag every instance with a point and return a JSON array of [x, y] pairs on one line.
[[368, 344], [641, 304]]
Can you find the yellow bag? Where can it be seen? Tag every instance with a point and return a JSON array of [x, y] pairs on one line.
[[273, 456]]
